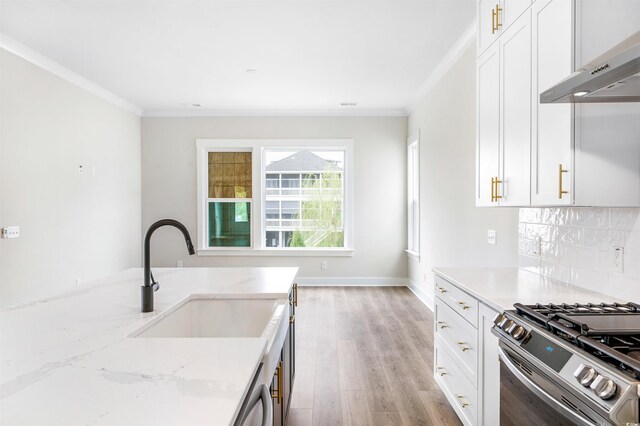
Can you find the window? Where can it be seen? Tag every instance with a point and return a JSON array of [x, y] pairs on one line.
[[413, 196], [274, 196], [310, 201], [229, 185]]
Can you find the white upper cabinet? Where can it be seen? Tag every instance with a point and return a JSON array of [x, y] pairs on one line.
[[554, 154], [607, 150], [487, 30], [515, 113], [487, 125], [551, 132], [602, 24], [503, 131], [494, 17]]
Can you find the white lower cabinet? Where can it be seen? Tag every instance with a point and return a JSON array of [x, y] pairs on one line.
[[466, 362]]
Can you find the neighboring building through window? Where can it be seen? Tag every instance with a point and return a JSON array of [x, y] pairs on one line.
[[304, 198]]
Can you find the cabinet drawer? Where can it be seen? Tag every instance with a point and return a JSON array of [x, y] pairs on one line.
[[460, 301], [460, 337], [461, 393]]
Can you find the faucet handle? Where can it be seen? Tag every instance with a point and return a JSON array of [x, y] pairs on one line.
[[155, 286]]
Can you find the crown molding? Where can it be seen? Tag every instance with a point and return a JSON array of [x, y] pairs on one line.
[[30, 55], [460, 46], [276, 112]]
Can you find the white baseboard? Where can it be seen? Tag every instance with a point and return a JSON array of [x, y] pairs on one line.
[[352, 281], [421, 295]]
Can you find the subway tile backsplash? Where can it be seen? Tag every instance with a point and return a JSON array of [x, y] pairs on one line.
[[576, 245]]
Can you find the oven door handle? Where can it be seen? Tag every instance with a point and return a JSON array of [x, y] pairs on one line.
[[541, 393]]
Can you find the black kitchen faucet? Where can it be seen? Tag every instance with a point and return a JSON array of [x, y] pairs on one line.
[[150, 284]]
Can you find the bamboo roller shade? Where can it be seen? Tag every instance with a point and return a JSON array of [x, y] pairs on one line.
[[230, 175]]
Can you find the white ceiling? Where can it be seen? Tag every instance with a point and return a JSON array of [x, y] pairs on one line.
[[309, 55]]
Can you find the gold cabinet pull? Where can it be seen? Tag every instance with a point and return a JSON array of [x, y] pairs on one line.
[[493, 192], [441, 371], [441, 290], [495, 19], [463, 305], [442, 324], [560, 172], [295, 295], [462, 402], [463, 346], [497, 193], [278, 395], [292, 319]]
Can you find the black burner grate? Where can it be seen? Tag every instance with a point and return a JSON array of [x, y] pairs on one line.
[[609, 331]]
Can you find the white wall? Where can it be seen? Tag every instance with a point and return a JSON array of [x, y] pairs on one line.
[[453, 230], [169, 189], [72, 227], [577, 247]]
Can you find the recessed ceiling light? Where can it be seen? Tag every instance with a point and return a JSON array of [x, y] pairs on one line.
[[348, 104], [251, 71], [190, 105], [582, 93]]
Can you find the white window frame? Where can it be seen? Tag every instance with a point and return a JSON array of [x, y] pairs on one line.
[[413, 193], [258, 225]]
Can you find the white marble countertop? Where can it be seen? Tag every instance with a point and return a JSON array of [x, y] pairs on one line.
[[500, 288], [67, 359]]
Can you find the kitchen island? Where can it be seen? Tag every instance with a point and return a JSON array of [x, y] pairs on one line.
[[70, 359]]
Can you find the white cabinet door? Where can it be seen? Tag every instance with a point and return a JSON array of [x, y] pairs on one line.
[[487, 32], [551, 132], [489, 374], [487, 124], [607, 155], [607, 152], [515, 113], [511, 11], [602, 24]]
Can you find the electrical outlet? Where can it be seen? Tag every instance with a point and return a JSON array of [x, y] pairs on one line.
[[491, 237], [323, 265], [618, 259], [537, 246], [11, 232], [179, 264], [80, 169]]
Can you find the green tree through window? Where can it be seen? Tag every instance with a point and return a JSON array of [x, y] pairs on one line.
[[321, 214]]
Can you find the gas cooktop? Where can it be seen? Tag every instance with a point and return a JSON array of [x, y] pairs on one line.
[[608, 331]]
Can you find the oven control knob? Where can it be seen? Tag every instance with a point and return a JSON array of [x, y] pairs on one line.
[[604, 387], [505, 325], [498, 319], [585, 375], [518, 332]]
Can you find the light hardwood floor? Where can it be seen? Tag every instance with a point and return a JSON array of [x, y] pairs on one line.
[[365, 357]]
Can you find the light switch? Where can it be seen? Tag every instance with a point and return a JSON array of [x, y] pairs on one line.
[[491, 237], [11, 232]]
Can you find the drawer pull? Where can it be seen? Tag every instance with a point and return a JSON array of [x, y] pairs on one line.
[[462, 402], [463, 346], [464, 305], [441, 289], [440, 371], [441, 324]]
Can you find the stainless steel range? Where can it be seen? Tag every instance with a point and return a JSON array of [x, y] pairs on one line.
[[582, 359]]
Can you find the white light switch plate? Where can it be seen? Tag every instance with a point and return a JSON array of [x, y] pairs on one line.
[[11, 232], [491, 237], [618, 259]]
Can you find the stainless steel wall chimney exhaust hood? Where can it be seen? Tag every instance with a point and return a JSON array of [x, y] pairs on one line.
[[612, 77]]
